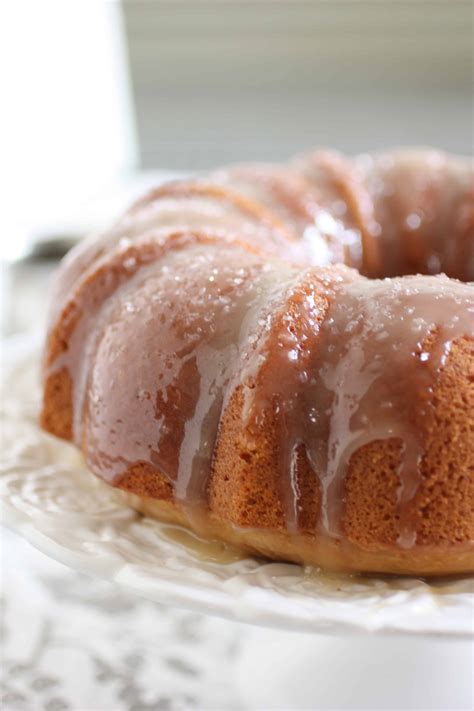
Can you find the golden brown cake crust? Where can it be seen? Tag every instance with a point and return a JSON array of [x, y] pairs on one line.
[[245, 501]]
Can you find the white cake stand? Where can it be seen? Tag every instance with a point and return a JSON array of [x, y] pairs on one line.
[[410, 641]]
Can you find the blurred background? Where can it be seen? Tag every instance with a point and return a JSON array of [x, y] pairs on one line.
[[98, 92], [213, 82]]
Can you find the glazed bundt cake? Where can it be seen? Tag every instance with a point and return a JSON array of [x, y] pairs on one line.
[[282, 358]]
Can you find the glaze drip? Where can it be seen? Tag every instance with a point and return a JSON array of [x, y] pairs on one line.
[[383, 344], [351, 361], [166, 409], [206, 287]]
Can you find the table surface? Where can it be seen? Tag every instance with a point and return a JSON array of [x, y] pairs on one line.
[[71, 642]]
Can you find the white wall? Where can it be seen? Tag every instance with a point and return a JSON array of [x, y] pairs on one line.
[[65, 120]]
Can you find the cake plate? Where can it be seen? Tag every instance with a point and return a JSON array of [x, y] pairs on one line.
[[49, 498]]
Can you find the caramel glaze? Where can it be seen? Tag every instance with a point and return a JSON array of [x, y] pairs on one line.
[[242, 284]]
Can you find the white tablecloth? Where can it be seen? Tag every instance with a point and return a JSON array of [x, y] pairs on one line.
[[76, 643]]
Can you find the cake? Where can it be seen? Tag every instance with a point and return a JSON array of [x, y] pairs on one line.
[[282, 358]]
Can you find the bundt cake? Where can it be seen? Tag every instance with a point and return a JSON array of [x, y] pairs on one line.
[[282, 358]]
